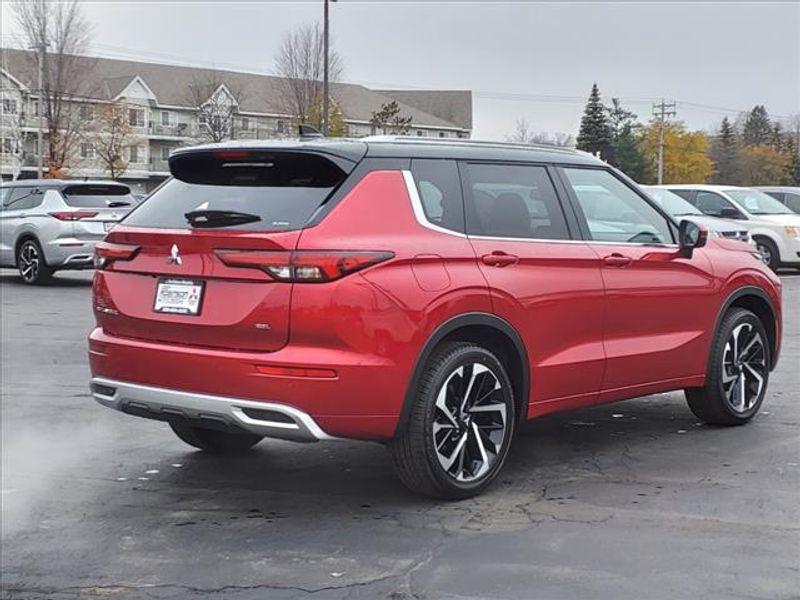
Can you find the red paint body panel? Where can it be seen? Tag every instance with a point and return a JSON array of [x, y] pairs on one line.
[[593, 333]]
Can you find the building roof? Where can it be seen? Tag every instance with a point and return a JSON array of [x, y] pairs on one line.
[[454, 106], [107, 78]]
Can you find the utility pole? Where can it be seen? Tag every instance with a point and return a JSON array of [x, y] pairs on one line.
[[661, 111], [40, 50], [325, 83]]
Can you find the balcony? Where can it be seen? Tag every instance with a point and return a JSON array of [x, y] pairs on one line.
[[175, 130], [158, 165]]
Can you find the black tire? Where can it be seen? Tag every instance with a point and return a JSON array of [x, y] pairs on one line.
[[214, 441], [31, 263], [713, 403], [769, 251], [477, 422]]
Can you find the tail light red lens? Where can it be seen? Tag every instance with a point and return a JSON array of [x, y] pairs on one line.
[[304, 266], [73, 215], [105, 253]]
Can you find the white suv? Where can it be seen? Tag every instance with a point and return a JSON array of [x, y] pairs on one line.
[[773, 226]]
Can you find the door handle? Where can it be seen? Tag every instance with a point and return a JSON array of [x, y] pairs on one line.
[[617, 260], [498, 258]]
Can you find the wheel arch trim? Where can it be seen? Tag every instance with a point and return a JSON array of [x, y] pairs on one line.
[[450, 326]]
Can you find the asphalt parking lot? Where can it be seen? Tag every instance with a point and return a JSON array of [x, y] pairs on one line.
[[631, 500]]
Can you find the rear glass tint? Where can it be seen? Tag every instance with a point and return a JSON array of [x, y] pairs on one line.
[[282, 190], [98, 196]]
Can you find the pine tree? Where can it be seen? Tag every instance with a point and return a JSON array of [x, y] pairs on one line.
[[628, 156], [757, 127], [595, 133], [724, 153]]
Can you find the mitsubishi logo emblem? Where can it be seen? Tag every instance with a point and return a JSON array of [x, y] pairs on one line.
[[174, 256]]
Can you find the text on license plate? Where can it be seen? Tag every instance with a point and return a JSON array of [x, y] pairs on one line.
[[179, 296]]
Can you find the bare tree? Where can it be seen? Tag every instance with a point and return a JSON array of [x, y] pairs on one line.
[[12, 150], [110, 137], [525, 134], [62, 29], [216, 101], [300, 63]]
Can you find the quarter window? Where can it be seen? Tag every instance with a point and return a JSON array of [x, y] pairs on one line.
[[514, 201], [614, 212], [23, 198], [440, 192]]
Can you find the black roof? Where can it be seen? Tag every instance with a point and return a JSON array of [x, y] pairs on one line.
[[408, 147]]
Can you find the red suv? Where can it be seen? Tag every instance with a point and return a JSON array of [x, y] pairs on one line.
[[429, 295]]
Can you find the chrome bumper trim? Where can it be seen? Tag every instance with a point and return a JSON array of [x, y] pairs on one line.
[[162, 403]]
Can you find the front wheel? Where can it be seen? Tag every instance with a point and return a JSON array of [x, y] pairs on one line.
[[460, 425], [738, 372], [213, 441], [769, 253], [31, 264]]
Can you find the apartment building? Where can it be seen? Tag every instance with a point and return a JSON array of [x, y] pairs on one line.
[[162, 112]]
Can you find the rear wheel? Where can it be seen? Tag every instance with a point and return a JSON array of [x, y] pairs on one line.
[[460, 426], [214, 441], [738, 372], [31, 265], [769, 252]]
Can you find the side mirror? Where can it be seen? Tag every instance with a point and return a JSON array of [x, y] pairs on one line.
[[728, 212], [691, 236]]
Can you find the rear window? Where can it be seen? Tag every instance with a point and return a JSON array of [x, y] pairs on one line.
[[281, 189], [98, 196]]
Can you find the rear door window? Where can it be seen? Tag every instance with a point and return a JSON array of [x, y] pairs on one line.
[[278, 191], [512, 201], [98, 196], [712, 204]]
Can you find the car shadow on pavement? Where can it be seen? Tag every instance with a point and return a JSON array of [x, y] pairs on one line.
[[59, 280], [571, 444]]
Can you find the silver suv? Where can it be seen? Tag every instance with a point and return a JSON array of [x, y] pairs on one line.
[[52, 224]]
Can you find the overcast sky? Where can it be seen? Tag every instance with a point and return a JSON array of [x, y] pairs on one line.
[[521, 59]]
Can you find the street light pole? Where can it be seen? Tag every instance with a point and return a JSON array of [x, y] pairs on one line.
[[325, 69], [40, 105]]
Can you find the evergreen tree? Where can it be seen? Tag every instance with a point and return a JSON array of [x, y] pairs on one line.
[[595, 134], [628, 156], [724, 153], [619, 117], [757, 127]]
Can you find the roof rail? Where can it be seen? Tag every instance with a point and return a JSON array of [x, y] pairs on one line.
[[405, 139]]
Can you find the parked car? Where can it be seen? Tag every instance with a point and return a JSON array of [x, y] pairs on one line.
[[51, 225], [680, 209], [790, 196], [428, 295], [772, 225]]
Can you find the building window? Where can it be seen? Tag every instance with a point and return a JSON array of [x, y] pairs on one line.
[[136, 117], [133, 154], [86, 112], [7, 144], [35, 108], [442, 134], [87, 151], [165, 152], [9, 106], [283, 126], [245, 123], [166, 118], [420, 133]]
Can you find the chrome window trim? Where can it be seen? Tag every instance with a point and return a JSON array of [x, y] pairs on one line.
[[422, 219]]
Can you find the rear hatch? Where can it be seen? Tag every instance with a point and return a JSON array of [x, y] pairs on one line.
[[167, 271], [97, 207]]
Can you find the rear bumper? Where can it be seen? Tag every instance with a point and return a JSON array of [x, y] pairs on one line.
[[262, 418], [70, 253], [363, 401]]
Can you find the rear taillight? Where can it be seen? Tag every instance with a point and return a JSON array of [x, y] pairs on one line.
[[105, 253], [73, 215], [304, 266]]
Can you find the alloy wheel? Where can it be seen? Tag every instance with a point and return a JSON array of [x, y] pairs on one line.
[[470, 422], [744, 367], [765, 252], [29, 262]]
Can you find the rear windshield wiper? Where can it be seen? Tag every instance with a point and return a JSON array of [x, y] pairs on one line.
[[118, 204], [219, 218]]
